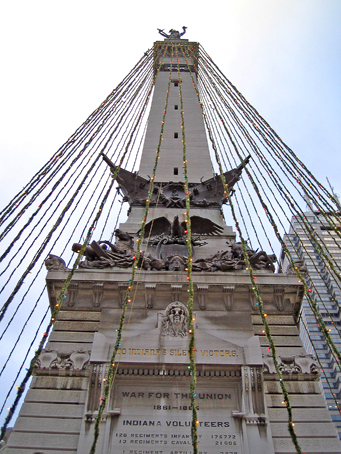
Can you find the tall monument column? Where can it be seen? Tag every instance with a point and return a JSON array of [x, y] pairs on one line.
[[170, 167], [238, 394]]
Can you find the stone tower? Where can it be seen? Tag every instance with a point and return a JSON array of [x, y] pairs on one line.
[[238, 395]]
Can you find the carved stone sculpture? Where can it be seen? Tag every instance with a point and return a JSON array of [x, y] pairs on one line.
[[51, 359], [175, 322], [55, 263], [173, 34], [305, 364], [177, 229], [176, 263], [171, 250], [299, 264], [208, 193]]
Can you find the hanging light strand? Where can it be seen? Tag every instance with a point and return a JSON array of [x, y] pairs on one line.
[[190, 290], [111, 374], [253, 284]]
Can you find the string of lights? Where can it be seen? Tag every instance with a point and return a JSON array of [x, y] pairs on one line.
[[252, 278], [55, 312], [111, 373], [275, 185], [190, 290], [218, 109], [115, 94], [139, 91]]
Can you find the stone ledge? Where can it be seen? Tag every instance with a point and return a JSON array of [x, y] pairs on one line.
[[308, 445], [296, 400], [49, 425], [76, 326], [60, 381], [66, 411], [280, 319], [279, 330], [56, 396], [299, 415], [315, 430], [295, 387], [25, 450], [59, 336], [281, 341], [22, 440], [71, 315]]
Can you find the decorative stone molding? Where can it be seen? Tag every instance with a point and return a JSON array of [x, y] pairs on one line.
[[72, 294], [202, 291], [253, 299], [253, 397], [259, 420], [97, 294], [149, 295], [228, 297], [177, 371], [175, 322], [279, 297], [246, 379], [51, 359], [176, 292], [97, 383], [259, 379], [122, 290], [253, 381], [304, 364]]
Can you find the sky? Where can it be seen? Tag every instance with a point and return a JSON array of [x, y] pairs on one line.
[[61, 59]]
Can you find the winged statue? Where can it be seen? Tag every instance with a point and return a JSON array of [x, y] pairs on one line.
[[199, 226], [173, 34]]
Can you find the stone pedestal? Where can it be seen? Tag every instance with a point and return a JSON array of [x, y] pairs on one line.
[[239, 399]]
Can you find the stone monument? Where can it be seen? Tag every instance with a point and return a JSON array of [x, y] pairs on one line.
[[238, 395]]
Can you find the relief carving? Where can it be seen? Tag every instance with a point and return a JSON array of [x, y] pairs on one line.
[[305, 364], [72, 294], [170, 239], [122, 290], [51, 359], [279, 298], [175, 322], [202, 291], [176, 291], [97, 294], [253, 299], [149, 295], [228, 297]]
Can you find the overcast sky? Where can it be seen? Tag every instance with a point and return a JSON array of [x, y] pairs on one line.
[[59, 61]]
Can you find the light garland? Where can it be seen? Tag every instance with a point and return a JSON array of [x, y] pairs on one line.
[[190, 290], [253, 283], [127, 299], [54, 315], [228, 133], [116, 125]]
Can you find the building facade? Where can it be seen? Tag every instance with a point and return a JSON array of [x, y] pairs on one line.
[[238, 395], [326, 292]]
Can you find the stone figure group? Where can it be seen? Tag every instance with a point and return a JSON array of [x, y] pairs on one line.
[[103, 254]]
